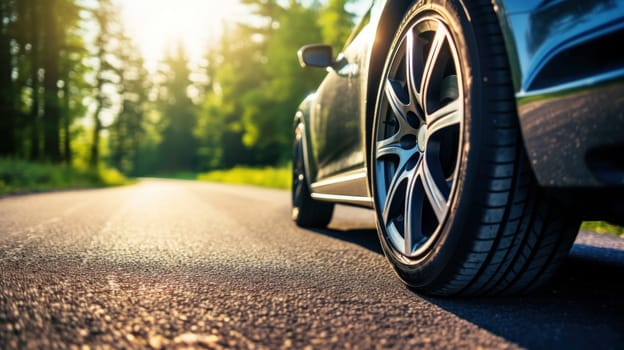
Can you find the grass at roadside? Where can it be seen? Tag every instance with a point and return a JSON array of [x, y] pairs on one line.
[[603, 227], [181, 175], [275, 177], [20, 176]]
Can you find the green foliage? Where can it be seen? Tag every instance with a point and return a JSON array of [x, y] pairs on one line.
[[288, 82], [210, 132], [275, 177], [336, 23], [19, 176], [256, 84], [128, 130]]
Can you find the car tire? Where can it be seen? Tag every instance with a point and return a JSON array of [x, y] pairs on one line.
[[458, 209], [306, 211]]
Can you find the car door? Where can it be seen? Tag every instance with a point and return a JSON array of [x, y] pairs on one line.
[[336, 113]]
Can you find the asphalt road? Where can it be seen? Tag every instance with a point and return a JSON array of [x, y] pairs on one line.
[[180, 264]]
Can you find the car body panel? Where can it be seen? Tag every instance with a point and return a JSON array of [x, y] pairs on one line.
[[569, 79], [334, 148]]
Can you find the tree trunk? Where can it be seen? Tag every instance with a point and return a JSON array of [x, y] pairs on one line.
[[95, 146], [7, 90], [35, 128], [100, 97], [120, 140], [67, 154], [97, 125], [52, 108]]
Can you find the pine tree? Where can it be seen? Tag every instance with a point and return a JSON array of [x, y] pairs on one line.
[[127, 131], [178, 148]]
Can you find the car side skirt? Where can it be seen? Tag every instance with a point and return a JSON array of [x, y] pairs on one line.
[[348, 188]]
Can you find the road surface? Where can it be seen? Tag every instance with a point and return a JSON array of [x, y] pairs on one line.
[[181, 264]]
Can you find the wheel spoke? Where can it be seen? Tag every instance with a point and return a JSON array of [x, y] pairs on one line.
[[389, 147], [413, 207], [393, 194], [412, 61], [395, 95], [448, 115], [436, 197], [430, 63]]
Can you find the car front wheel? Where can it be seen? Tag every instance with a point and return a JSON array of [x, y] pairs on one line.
[[457, 206]]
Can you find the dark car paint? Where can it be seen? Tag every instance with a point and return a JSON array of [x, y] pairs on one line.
[[569, 79], [540, 38]]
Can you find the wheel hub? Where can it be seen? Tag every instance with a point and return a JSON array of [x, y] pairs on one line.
[[422, 138]]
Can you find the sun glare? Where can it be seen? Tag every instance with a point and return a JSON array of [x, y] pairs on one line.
[[157, 25]]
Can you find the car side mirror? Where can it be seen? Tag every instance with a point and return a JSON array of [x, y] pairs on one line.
[[316, 55]]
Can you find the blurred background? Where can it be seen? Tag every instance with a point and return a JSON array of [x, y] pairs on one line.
[[93, 92]]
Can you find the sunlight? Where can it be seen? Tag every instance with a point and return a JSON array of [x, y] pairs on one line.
[[156, 25]]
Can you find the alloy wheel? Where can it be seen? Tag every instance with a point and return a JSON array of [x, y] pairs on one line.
[[418, 137]]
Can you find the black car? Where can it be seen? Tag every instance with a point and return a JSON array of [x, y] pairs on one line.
[[481, 133]]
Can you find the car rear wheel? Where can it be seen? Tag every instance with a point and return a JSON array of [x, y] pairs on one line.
[[306, 211], [457, 206]]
